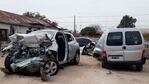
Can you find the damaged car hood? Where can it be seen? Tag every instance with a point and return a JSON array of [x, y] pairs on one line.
[[29, 40]]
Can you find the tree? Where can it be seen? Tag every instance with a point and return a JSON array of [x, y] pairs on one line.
[[97, 27], [91, 30], [88, 31], [127, 22], [37, 15]]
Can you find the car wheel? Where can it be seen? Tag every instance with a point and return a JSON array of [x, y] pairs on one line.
[[144, 61], [139, 67], [84, 52], [7, 63], [104, 64], [97, 56], [51, 68], [76, 59]]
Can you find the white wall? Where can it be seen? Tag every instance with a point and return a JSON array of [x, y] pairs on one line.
[[20, 29], [5, 26]]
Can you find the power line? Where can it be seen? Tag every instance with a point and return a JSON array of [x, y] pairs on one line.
[[63, 17], [100, 21], [112, 16], [68, 17]]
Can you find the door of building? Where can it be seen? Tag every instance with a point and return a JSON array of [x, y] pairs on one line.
[[3, 35]]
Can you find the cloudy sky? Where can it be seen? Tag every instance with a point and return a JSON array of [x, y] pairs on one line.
[[106, 13]]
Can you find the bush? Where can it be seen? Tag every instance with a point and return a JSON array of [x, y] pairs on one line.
[[146, 36], [88, 31]]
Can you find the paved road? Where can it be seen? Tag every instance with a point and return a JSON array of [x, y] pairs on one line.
[[89, 71]]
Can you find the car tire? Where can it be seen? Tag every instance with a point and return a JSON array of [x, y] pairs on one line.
[[139, 67], [144, 61], [7, 63], [104, 64], [84, 52], [97, 56], [76, 59], [56, 71], [50, 68]]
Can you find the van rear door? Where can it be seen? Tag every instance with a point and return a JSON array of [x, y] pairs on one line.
[[114, 45], [134, 46]]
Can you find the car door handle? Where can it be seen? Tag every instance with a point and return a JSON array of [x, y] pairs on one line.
[[124, 47]]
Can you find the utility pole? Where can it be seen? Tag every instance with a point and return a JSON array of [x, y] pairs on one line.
[[74, 24], [80, 27]]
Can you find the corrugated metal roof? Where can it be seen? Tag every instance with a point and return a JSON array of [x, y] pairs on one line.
[[11, 18]]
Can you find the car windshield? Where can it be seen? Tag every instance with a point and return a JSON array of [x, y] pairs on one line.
[[50, 34]]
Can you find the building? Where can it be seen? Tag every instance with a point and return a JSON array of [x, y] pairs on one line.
[[11, 23]]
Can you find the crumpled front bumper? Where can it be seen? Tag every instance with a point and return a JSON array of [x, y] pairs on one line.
[[30, 64]]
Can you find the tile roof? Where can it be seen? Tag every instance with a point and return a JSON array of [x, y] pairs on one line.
[[11, 18]]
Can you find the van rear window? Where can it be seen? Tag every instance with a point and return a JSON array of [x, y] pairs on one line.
[[115, 39], [133, 38]]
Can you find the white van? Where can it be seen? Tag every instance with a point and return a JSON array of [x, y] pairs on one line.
[[123, 45]]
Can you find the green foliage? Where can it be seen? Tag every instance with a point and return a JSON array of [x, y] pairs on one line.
[[35, 15], [146, 36], [88, 31], [127, 22]]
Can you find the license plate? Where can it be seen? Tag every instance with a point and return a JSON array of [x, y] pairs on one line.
[[115, 57]]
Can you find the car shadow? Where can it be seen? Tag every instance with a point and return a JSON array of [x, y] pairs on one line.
[[126, 68], [37, 74]]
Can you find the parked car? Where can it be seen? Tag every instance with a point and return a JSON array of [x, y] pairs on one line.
[[88, 49], [97, 52], [83, 41], [123, 46], [86, 45], [41, 51]]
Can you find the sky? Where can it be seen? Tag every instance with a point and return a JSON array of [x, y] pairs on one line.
[[106, 13]]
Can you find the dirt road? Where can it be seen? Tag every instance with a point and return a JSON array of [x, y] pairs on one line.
[[89, 71]]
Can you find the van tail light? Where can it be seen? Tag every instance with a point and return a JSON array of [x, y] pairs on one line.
[[104, 54], [143, 53]]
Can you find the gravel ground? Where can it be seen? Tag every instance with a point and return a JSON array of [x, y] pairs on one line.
[[89, 71]]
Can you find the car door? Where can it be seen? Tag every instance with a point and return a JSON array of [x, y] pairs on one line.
[[71, 46], [62, 50], [134, 46], [113, 48]]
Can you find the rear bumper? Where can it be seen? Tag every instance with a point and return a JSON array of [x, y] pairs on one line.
[[140, 62]]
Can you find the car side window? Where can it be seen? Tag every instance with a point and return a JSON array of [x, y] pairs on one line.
[[69, 37]]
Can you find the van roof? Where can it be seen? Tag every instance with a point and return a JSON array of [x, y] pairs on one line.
[[122, 29]]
